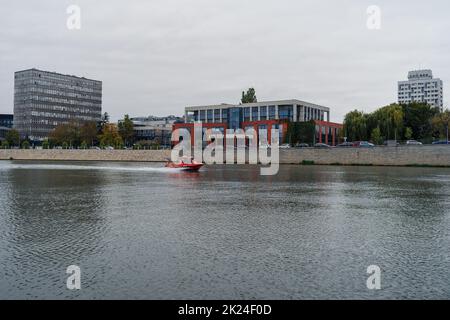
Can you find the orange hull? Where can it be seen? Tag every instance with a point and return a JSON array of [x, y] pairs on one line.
[[185, 166]]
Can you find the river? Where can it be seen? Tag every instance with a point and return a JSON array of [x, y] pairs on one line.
[[140, 231]]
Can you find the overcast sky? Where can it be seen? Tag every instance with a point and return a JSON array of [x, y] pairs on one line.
[[157, 56]]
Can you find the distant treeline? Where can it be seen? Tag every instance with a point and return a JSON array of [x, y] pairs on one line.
[[418, 121]]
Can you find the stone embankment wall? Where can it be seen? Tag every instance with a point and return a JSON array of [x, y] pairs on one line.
[[437, 155], [380, 156], [86, 155]]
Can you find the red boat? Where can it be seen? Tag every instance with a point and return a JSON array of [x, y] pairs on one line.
[[185, 164]]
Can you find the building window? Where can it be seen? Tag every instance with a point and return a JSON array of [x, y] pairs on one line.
[[263, 113], [286, 113], [271, 112], [217, 115], [246, 114], [196, 117], [255, 113], [235, 118], [224, 115]]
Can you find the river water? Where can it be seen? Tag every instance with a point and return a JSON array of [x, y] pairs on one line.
[[140, 231]]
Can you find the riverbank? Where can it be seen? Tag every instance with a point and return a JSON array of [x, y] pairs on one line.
[[433, 156], [86, 155]]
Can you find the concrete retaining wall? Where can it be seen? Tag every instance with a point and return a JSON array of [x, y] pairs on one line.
[[87, 155], [380, 156]]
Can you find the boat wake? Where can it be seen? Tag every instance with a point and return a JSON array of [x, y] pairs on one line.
[[72, 167]]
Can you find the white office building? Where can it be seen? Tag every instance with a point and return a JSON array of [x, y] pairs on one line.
[[421, 87], [234, 115]]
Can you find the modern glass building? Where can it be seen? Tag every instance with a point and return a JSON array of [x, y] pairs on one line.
[[264, 115], [156, 129], [235, 115], [6, 120], [43, 100], [6, 123]]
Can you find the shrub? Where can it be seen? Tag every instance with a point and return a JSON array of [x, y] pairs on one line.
[[45, 144]]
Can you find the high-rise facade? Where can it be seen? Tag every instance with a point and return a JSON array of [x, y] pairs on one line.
[[421, 87], [43, 100]]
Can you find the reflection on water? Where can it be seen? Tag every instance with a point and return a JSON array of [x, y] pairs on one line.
[[143, 231]]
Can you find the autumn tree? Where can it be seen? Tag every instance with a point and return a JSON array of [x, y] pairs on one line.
[[110, 136], [68, 133], [88, 133]]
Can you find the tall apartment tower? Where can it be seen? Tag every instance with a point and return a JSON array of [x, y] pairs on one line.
[[43, 100], [421, 87]]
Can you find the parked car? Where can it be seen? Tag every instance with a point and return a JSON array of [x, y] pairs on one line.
[[94, 148], [285, 146], [322, 146], [391, 143], [363, 144], [441, 142], [302, 145], [346, 145], [109, 148], [413, 143]]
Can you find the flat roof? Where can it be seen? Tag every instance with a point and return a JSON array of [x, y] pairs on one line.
[[57, 73], [259, 104]]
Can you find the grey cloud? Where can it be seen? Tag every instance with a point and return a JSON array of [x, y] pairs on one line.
[[156, 57]]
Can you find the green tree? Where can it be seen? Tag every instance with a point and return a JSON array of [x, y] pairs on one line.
[[389, 119], [13, 137], [126, 130], [408, 133], [355, 126], [300, 132], [376, 136], [440, 124], [418, 116], [26, 145], [45, 144], [396, 118], [249, 96], [110, 136], [84, 145], [393, 121], [105, 117], [5, 144]]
